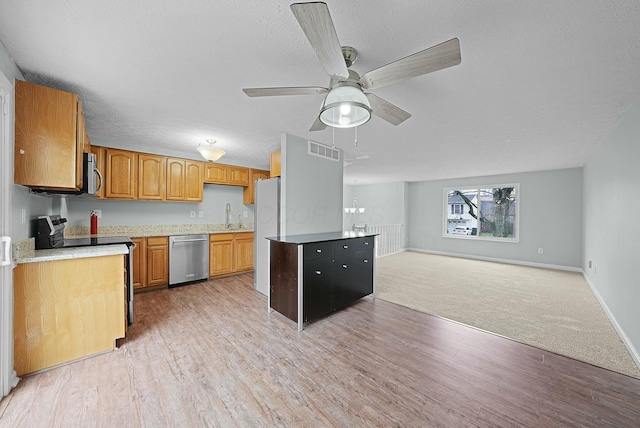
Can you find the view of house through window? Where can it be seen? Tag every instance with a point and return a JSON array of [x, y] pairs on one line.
[[488, 212]]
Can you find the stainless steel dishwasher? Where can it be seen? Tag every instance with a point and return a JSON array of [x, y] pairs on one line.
[[188, 259]]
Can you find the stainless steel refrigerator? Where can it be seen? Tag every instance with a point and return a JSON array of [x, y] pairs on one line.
[[266, 223]]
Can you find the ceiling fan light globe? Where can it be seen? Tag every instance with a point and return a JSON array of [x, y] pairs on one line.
[[345, 107]]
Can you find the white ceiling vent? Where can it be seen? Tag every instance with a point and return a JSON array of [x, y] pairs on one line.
[[317, 149]]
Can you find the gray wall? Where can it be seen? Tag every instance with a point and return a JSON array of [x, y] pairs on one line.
[[383, 203], [114, 213], [311, 190], [550, 218], [611, 234]]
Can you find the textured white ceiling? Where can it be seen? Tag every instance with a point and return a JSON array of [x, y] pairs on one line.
[[541, 83]]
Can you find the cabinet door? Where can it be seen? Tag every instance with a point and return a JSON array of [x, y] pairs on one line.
[[139, 262], [100, 154], [46, 146], [362, 279], [176, 175], [248, 193], [220, 256], [157, 261], [275, 165], [238, 176], [215, 173], [243, 252], [121, 177], [318, 295], [193, 181], [151, 177]]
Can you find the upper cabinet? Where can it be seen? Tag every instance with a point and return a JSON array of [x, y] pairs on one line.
[[121, 175], [218, 173], [50, 137], [275, 165], [151, 177], [215, 173], [184, 180], [248, 193]]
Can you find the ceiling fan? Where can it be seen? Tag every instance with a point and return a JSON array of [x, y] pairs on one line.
[[346, 104]]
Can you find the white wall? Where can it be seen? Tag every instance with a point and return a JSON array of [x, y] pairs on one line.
[[611, 234], [311, 190], [550, 218]]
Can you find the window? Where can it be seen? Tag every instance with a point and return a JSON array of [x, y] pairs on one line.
[[483, 212]]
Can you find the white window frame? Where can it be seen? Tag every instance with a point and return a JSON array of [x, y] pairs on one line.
[[446, 210]]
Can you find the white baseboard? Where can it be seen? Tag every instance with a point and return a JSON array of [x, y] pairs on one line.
[[495, 259], [627, 343]]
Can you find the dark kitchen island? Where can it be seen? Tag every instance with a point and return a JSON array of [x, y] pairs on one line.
[[313, 275]]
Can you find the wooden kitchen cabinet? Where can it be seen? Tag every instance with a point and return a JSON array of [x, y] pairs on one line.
[[139, 262], [157, 261], [219, 173], [243, 251], [215, 173], [184, 180], [230, 253], [121, 174], [220, 254], [150, 259], [194, 182], [248, 193], [61, 316], [151, 177], [238, 176], [50, 136], [275, 165]]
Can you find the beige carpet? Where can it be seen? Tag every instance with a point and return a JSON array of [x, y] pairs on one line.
[[550, 309]]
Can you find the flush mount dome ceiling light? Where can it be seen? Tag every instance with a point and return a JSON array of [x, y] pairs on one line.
[[345, 106], [209, 152]]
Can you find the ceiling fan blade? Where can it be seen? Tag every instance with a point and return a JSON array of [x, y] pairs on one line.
[[387, 111], [315, 20], [435, 58], [318, 125], [270, 92]]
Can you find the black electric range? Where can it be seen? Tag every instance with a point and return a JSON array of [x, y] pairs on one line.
[[101, 240]]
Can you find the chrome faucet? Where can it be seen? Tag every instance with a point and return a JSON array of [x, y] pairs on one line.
[[227, 218]]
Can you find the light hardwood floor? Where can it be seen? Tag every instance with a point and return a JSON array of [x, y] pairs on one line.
[[208, 354]]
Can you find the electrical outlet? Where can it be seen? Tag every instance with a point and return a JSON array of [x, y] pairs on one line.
[[98, 213], [193, 214], [589, 264], [540, 250], [200, 214], [245, 214]]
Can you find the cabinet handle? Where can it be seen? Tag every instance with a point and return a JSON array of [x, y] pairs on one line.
[[318, 272], [366, 243], [366, 260], [318, 251], [345, 246], [344, 266]]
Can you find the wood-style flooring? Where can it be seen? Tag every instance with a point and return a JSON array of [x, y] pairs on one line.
[[208, 354]]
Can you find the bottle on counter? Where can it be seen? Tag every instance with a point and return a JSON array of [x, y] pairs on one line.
[[94, 223]]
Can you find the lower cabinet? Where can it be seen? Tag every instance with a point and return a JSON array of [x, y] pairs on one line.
[[230, 253], [61, 316], [150, 258]]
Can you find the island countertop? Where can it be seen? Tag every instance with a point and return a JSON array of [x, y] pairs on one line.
[[319, 237]]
